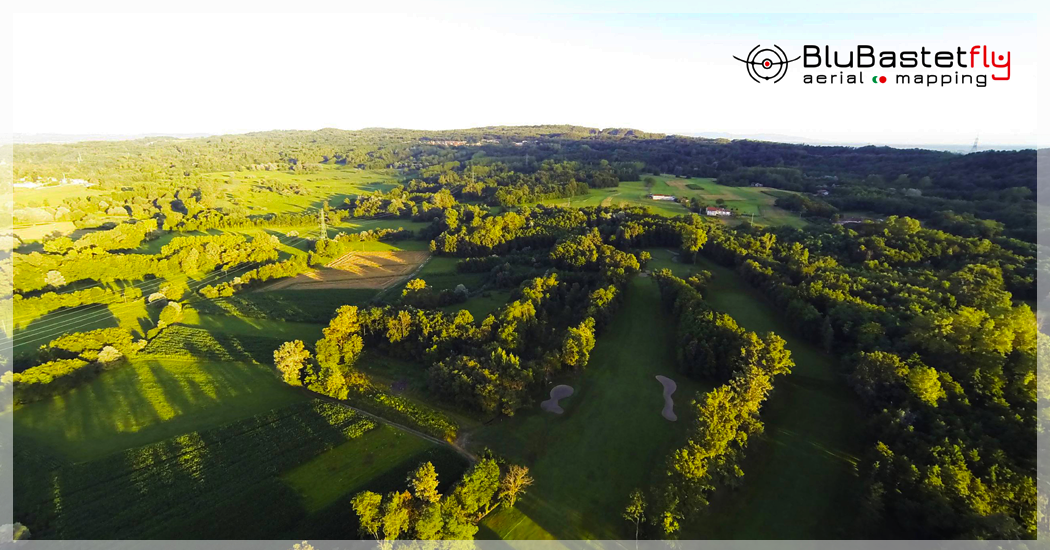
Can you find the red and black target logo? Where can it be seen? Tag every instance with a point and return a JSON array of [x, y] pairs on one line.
[[766, 64]]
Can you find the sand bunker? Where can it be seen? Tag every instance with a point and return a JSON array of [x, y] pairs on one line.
[[669, 388], [557, 394]]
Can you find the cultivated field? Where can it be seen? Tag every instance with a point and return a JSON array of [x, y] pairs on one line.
[[366, 270]]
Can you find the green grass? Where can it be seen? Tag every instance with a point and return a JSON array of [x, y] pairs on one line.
[[408, 379], [481, 305], [349, 467], [353, 225], [800, 479], [440, 273], [310, 306], [217, 483], [586, 461], [746, 200], [134, 316], [54, 195], [330, 184], [149, 400], [663, 258], [247, 326]]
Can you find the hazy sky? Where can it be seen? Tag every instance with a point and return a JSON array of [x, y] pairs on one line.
[[222, 73]]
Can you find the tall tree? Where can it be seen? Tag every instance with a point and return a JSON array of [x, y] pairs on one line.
[[514, 483], [367, 507]]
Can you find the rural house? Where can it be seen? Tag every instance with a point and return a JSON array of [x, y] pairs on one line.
[[716, 211]]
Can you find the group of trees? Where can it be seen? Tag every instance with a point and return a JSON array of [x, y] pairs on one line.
[[710, 346], [124, 236], [32, 307], [71, 360], [188, 255], [326, 250], [938, 348], [491, 367], [810, 207], [423, 513]]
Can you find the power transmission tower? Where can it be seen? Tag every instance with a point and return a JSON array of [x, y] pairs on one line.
[[324, 227], [974, 148]]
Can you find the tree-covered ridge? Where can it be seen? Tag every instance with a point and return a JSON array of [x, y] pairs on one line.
[[998, 185], [938, 349]]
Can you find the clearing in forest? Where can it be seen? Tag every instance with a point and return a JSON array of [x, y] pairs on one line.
[[371, 270]]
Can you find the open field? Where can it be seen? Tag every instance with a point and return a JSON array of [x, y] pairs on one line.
[[330, 184], [368, 270], [52, 194], [265, 476], [149, 400], [38, 231], [800, 477], [353, 225], [607, 442], [350, 467], [310, 306]]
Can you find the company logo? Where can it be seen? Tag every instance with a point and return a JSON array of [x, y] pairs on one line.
[[765, 64], [976, 65]]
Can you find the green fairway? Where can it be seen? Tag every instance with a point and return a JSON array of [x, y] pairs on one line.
[[149, 400], [481, 305], [800, 479], [746, 200], [663, 258], [587, 460]]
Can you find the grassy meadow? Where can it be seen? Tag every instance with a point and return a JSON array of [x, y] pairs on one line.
[[330, 183], [148, 400]]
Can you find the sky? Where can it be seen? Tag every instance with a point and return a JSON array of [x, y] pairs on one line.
[[113, 73]]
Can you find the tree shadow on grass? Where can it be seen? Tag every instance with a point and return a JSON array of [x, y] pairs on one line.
[[220, 483]]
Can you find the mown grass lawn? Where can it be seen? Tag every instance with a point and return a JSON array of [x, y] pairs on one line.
[[481, 305], [610, 439]]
